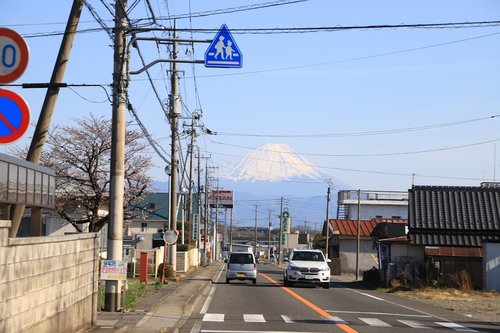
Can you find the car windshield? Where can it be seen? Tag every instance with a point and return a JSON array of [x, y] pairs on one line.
[[241, 258], [307, 256]]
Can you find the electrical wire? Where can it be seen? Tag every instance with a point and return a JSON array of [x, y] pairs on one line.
[[364, 155], [363, 133]]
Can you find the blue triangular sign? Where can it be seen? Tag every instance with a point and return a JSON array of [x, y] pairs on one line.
[[223, 51]]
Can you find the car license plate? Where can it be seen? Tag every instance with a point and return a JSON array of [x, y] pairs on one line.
[[240, 274], [309, 277]]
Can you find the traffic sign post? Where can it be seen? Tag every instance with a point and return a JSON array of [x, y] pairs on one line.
[[223, 51], [14, 116], [14, 55]]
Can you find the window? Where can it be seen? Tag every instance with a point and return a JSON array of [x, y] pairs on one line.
[[241, 258], [144, 226]]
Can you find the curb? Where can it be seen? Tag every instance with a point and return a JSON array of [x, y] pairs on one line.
[[194, 300]]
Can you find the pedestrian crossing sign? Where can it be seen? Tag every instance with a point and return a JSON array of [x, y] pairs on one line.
[[223, 51]]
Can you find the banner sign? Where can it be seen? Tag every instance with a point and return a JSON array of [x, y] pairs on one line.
[[220, 198], [195, 226], [113, 270]]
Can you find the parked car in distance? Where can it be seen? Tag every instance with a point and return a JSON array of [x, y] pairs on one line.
[[307, 266], [241, 266]]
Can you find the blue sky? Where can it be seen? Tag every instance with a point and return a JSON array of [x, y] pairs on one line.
[[304, 84]]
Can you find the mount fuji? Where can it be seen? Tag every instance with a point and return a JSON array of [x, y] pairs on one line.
[[270, 176], [274, 171]]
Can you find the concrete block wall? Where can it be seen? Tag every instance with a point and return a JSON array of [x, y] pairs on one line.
[[186, 260], [48, 284]]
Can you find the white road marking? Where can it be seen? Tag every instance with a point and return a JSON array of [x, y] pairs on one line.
[[217, 317], [254, 318], [374, 297], [337, 320], [382, 313], [204, 309], [456, 327], [403, 306], [375, 322], [287, 319], [414, 324]]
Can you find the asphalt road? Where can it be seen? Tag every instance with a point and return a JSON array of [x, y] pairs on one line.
[[241, 307]]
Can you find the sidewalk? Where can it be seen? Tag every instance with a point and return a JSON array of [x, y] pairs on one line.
[[162, 311]]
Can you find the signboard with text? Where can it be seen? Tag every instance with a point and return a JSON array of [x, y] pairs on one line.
[[220, 198], [113, 270]]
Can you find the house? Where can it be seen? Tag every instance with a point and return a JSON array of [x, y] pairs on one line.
[[143, 232], [455, 224], [399, 260], [365, 205], [344, 251], [370, 208]]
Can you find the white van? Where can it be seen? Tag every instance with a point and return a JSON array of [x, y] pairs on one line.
[[241, 266]]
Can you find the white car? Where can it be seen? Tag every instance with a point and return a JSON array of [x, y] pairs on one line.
[[307, 266], [241, 266]]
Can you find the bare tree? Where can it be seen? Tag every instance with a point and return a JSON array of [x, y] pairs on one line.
[[80, 156]]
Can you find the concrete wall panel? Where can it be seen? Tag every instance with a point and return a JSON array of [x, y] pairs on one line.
[[48, 284]]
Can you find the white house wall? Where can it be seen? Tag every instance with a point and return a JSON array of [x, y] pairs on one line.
[[371, 211], [367, 256]]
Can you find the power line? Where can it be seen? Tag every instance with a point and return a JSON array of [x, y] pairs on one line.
[[268, 31], [302, 30], [364, 155], [362, 133]]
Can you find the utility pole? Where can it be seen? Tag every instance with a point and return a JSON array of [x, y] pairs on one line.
[[117, 181], [174, 117], [327, 221], [231, 232], [191, 167], [205, 229], [357, 236], [269, 237], [49, 103], [255, 251], [281, 233], [216, 223], [198, 200]]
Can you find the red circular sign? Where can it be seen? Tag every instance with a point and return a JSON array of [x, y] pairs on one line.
[[14, 55], [14, 116]]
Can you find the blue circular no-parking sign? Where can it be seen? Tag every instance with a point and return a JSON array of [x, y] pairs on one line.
[[14, 116]]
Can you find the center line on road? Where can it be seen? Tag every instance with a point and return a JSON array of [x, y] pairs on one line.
[[346, 328]]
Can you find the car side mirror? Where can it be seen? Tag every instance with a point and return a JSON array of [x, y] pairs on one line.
[[328, 260], [285, 259]]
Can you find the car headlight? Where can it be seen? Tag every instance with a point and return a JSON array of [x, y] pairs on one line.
[[324, 269], [294, 268]]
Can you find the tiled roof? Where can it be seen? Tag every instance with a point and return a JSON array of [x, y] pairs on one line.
[[350, 227], [453, 216]]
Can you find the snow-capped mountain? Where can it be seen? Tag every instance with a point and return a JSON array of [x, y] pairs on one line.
[[274, 162], [274, 174]]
